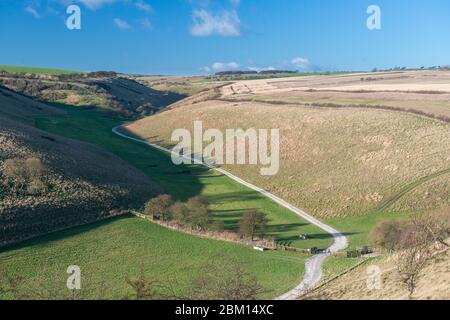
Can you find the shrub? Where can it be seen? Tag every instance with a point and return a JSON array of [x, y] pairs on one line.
[[26, 175], [35, 168], [229, 281], [180, 213], [387, 234], [37, 187], [159, 208]]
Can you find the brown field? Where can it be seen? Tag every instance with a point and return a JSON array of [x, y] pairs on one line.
[[334, 162], [182, 85], [84, 183], [425, 92]]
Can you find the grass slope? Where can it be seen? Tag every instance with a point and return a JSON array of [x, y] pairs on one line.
[[108, 252], [82, 182], [227, 198], [333, 162], [112, 250]]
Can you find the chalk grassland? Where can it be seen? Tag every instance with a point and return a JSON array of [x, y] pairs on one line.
[[333, 162], [353, 285], [21, 69], [111, 251], [84, 183]]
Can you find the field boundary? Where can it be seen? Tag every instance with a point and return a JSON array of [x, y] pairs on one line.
[[341, 106]]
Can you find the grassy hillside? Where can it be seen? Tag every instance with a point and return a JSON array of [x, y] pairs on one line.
[[119, 95], [227, 199], [49, 182], [433, 282], [35, 70], [131, 243], [111, 251], [333, 162]]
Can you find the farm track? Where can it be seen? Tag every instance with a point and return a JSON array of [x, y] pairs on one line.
[[313, 266], [408, 188]]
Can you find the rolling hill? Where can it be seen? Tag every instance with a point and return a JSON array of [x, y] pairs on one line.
[[346, 163], [117, 94], [49, 182]]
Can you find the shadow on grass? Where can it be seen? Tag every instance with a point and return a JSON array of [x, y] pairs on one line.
[[45, 239]]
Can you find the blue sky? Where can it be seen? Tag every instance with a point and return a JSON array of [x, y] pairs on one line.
[[201, 36]]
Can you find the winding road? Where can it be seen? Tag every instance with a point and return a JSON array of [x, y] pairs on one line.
[[313, 266]]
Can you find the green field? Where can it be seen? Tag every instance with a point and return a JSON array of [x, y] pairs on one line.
[[227, 198], [111, 251], [35, 70]]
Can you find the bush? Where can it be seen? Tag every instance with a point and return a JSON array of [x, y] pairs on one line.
[[180, 213], [26, 175], [37, 187], [387, 235], [159, 208], [199, 215], [194, 213]]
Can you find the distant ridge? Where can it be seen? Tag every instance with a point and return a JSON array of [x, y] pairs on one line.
[[37, 70]]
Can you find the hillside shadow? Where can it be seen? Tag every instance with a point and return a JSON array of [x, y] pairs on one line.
[[45, 239]]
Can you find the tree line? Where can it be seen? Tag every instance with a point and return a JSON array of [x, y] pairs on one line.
[[195, 214]]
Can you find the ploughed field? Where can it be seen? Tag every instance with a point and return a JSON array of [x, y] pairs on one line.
[[423, 92]]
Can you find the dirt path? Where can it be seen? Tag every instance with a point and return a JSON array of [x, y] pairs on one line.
[[313, 266]]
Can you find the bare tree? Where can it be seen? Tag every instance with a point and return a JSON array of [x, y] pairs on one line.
[[435, 225], [26, 175], [16, 174], [228, 281], [143, 287], [415, 241], [252, 223], [199, 215], [411, 262], [180, 212], [159, 208], [415, 251], [386, 234]]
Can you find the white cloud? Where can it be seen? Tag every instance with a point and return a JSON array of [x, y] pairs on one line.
[[206, 69], [223, 66], [96, 4], [121, 24], [143, 6], [33, 12], [226, 24], [258, 69], [146, 24], [301, 63], [235, 2]]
